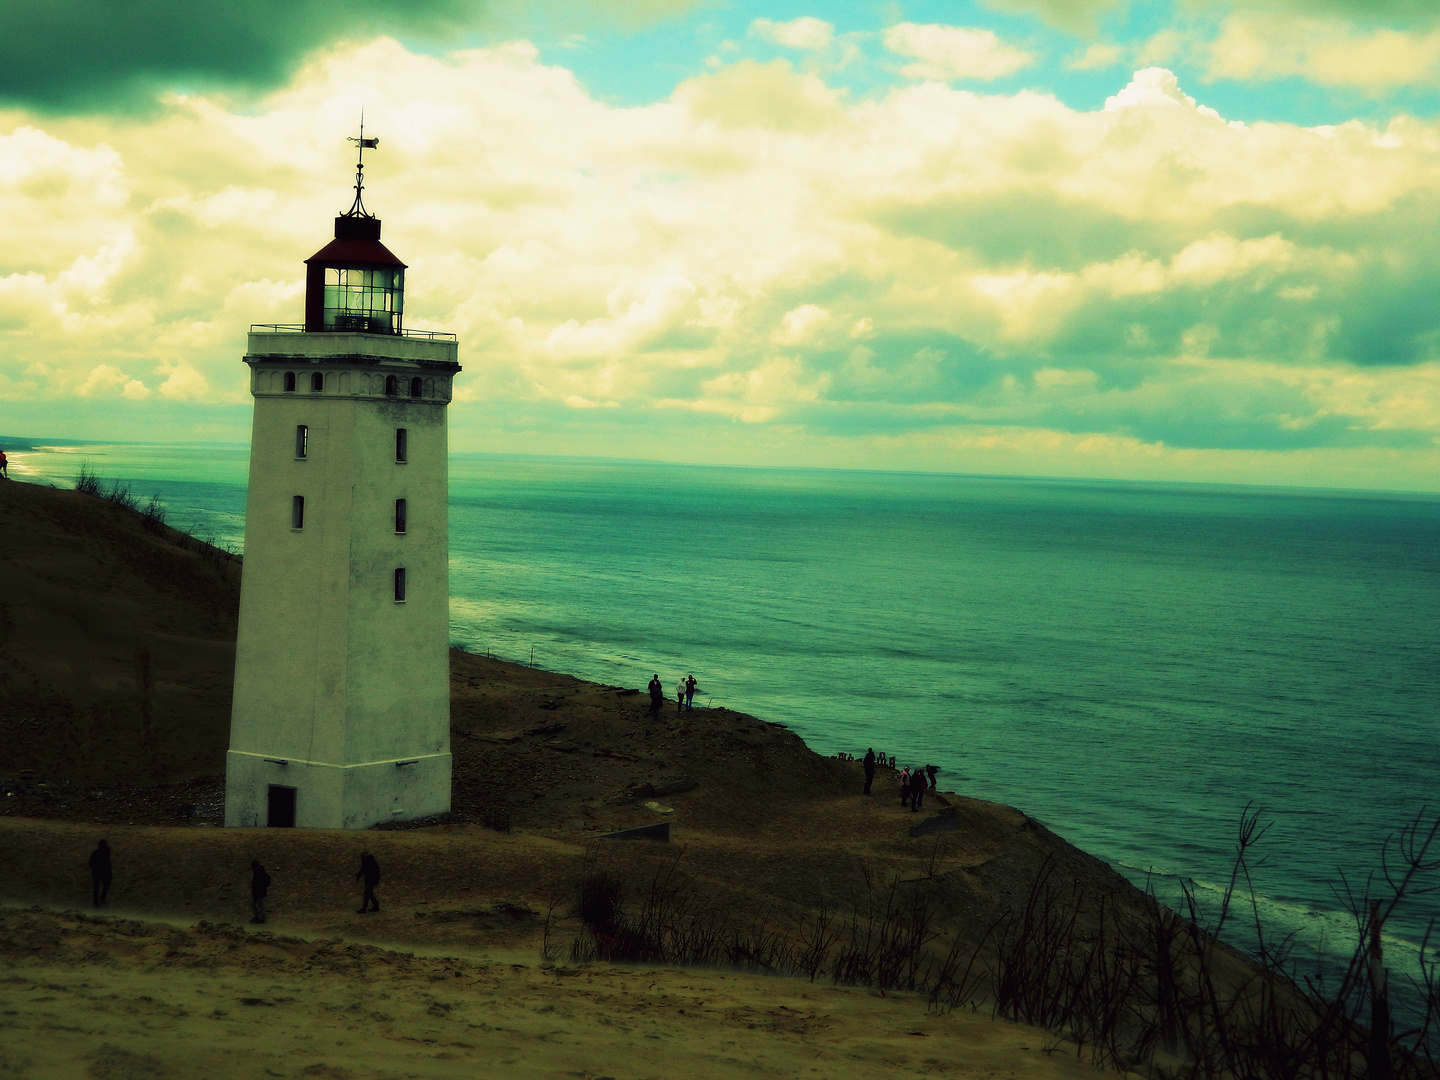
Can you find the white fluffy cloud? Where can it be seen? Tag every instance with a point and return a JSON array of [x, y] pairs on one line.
[[760, 268], [807, 33], [1271, 45], [954, 52]]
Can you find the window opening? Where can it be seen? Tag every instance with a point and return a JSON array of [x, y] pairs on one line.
[[416, 385], [302, 440], [401, 444], [317, 383], [399, 515], [297, 512], [399, 584], [289, 382], [391, 386]]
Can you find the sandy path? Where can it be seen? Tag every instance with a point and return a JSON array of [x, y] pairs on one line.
[[118, 1000]]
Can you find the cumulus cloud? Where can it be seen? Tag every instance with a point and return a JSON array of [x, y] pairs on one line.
[[763, 268], [1272, 45], [807, 33], [954, 52]]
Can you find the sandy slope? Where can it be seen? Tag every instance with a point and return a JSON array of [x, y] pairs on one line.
[[120, 1000], [114, 651], [117, 645]]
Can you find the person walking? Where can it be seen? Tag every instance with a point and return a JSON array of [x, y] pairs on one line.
[[259, 887], [689, 692], [917, 789], [869, 764], [905, 786], [930, 771], [370, 872], [657, 696], [680, 696], [100, 873], [4, 465]]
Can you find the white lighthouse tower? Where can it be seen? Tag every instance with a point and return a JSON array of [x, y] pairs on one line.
[[341, 713]]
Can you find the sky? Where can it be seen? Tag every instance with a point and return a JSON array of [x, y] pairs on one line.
[[1131, 239]]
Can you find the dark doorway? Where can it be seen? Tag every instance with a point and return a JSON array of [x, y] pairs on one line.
[[282, 807]]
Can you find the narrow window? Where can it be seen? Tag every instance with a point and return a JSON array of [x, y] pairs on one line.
[[289, 382], [399, 584], [302, 440], [416, 385], [317, 383], [401, 444], [297, 512], [392, 386], [399, 515]]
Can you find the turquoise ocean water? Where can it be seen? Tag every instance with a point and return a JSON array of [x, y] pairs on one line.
[[1129, 663]]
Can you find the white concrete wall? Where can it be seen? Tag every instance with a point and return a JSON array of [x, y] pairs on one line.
[[333, 677]]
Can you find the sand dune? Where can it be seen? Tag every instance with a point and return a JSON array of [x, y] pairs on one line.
[[121, 1000], [115, 649]]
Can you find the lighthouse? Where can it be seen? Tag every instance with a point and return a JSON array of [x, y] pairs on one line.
[[341, 709]]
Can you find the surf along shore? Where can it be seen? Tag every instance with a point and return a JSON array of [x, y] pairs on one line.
[[492, 953]]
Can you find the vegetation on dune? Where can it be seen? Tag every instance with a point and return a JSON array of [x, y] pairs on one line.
[[1150, 991], [152, 514]]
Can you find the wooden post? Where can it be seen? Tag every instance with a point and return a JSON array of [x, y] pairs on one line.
[[1379, 1002]]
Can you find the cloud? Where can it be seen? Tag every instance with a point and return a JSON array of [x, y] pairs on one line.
[[954, 52], [1098, 55], [183, 382], [1076, 16], [104, 381], [1156, 87], [763, 268], [102, 56], [806, 33], [1272, 45]]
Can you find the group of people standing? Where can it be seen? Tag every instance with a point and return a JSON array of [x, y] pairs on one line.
[[102, 876], [684, 695], [914, 781]]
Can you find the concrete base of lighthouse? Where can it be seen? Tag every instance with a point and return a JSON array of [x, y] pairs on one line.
[[319, 795]]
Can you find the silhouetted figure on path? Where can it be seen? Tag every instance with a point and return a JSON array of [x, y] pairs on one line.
[[370, 872], [259, 887], [4, 465], [680, 696], [689, 691], [917, 789], [657, 697], [930, 771], [905, 786], [869, 769], [100, 873]]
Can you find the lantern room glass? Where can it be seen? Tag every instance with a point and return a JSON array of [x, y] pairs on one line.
[[368, 300]]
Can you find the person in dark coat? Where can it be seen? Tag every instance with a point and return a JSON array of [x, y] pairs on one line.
[[370, 872], [259, 887], [657, 697], [917, 789], [905, 786], [690, 685], [869, 769], [100, 873], [930, 771]]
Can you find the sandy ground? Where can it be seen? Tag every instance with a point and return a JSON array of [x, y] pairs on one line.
[[112, 999]]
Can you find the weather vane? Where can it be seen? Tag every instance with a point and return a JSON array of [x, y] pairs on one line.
[[357, 208]]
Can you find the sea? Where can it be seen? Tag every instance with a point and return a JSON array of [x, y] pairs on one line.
[[1135, 665]]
